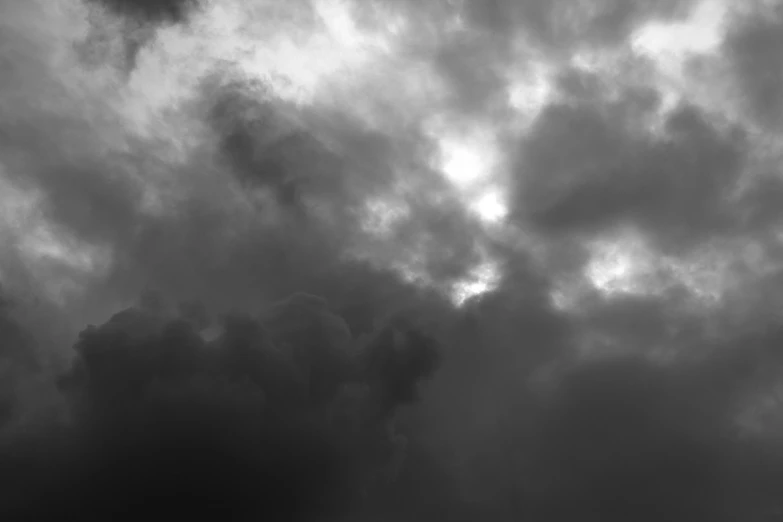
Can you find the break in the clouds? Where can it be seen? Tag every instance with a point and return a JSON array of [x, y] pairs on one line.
[[420, 260]]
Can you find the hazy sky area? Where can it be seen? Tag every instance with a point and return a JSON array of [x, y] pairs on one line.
[[391, 260]]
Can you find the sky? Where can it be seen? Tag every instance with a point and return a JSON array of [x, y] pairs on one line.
[[534, 184]]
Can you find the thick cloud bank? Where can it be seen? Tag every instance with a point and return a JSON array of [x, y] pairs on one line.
[[282, 415]]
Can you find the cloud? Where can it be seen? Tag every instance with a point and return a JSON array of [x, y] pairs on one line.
[[305, 241], [135, 22], [752, 46], [675, 187], [164, 420], [623, 425], [17, 356], [565, 23], [167, 10]]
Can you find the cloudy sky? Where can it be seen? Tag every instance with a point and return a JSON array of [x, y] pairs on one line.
[[582, 176], [642, 136]]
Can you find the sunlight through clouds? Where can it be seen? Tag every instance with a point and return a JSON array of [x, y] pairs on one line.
[[490, 206], [463, 164], [483, 278], [470, 161], [620, 265]]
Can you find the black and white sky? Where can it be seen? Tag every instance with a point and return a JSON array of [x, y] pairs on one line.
[[535, 183]]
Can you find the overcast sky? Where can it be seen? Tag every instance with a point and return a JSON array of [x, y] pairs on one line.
[[608, 169]]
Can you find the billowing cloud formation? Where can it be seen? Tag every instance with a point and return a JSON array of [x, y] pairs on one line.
[[324, 187], [257, 421]]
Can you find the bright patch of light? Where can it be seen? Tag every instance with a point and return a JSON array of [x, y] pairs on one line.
[[671, 43], [484, 278], [671, 48], [466, 160], [461, 164], [621, 265], [490, 206]]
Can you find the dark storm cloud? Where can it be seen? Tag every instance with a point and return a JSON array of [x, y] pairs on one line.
[[296, 407], [151, 11], [240, 426], [587, 168], [753, 47]]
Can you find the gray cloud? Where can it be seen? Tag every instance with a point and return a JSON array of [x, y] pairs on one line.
[[136, 21], [587, 168], [753, 48], [268, 202], [152, 11]]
